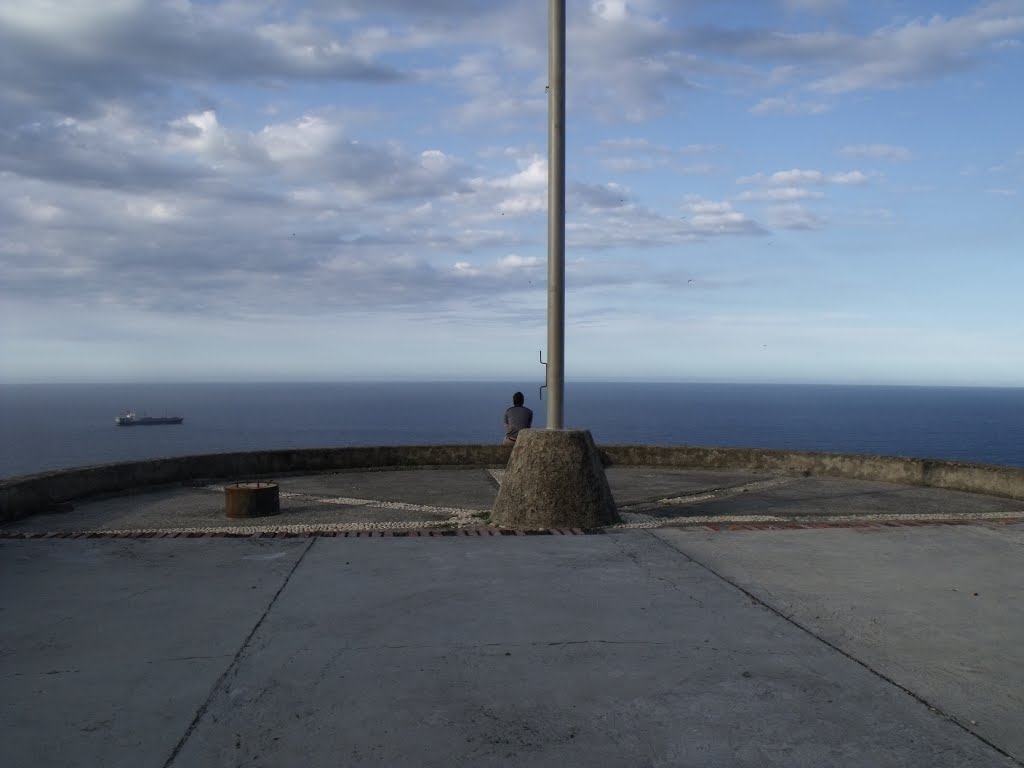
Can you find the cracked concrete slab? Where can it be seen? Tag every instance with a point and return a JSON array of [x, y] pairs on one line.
[[819, 496], [149, 508], [109, 648], [612, 650], [634, 485], [203, 508], [570, 651], [939, 610], [471, 488]]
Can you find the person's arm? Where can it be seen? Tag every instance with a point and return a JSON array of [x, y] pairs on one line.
[[529, 420], [505, 418]]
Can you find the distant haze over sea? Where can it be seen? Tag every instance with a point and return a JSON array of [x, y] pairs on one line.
[[50, 426]]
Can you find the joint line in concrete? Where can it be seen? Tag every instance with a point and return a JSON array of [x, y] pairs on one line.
[[711, 493], [235, 660], [790, 620]]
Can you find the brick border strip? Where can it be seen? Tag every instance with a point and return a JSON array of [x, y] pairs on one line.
[[411, 533], [865, 525], [414, 533]]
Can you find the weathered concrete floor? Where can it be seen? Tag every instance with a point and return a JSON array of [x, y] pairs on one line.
[[462, 497], [940, 613], [636, 648]]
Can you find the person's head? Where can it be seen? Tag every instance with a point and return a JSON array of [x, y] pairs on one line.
[[518, 399]]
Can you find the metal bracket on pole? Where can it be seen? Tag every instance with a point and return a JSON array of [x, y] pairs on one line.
[[540, 391]]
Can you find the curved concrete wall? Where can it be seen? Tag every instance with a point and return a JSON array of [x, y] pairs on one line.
[[27, 495], [955, 476]]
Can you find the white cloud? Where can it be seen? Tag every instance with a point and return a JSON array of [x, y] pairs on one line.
[[306, 139], [848, 178], [630, 164], [501, 271], [201, 136], [797, 177], [818, 67], [717, 217], [37, 211], [779, 194], [631, 155], [789, 106], [691, 149], [643, 146], [70, 57], [522, 192], [496, 91], [514, 262], [793, 216], [532, 177], [598, 197], [919, 49], [610, 10], [625, 59], [876, 151], [151, 210], [201, 146]]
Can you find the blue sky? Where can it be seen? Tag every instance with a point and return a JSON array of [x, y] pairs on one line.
[[777, 191]]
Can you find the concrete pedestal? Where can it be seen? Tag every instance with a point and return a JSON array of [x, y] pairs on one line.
[[256, 499], [554, 479]]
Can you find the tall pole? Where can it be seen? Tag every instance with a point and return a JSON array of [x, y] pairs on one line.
[[556, 213]]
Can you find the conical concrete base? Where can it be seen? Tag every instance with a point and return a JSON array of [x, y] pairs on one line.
[[554, 479]]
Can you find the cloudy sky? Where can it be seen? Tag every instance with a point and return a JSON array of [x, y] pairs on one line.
[[758, 190]]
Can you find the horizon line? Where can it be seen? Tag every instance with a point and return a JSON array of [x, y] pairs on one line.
[[501, 380]]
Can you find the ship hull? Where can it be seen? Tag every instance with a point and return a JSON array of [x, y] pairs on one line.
[[148, 421]]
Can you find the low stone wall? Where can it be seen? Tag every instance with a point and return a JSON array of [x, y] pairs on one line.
[[988, 479], [30, 494], [27, 495]]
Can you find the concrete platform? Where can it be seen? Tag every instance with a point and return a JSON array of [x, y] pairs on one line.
[[451, 498], [674, 642]]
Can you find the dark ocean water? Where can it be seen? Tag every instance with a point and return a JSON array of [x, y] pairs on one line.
[[66, 425]]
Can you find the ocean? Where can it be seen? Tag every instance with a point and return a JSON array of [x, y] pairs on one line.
[[52, 426]]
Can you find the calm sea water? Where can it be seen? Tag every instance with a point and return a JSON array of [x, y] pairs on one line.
[[66, 425]]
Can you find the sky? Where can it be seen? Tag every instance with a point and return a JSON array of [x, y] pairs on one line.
[[814, 191]]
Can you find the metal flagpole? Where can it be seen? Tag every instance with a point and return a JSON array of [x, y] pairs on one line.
[[556, 213], [554, 477]]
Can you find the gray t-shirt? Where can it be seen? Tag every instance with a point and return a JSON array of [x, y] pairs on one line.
[[517, 417]]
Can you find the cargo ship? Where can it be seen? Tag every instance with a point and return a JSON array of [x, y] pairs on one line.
[[129, 419]]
